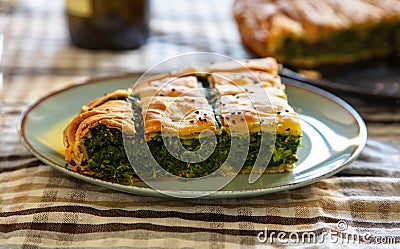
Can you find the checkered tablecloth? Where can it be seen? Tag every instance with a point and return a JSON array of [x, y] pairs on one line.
[[42, 208]]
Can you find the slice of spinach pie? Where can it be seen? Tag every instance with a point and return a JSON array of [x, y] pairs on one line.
[[247, 106]]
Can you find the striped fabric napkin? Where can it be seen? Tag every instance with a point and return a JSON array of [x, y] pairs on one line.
[[42, 208]]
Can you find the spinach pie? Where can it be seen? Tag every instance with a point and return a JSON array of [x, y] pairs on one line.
[[214, 111]]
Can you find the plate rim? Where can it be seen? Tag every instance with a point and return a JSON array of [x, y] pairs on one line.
[[362, 135]]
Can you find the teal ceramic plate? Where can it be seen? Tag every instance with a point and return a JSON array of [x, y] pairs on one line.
[[334, 135]]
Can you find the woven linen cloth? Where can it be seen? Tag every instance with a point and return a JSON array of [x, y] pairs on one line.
[[42, 208]]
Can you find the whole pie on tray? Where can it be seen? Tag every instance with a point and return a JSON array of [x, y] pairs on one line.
[[308, 33]]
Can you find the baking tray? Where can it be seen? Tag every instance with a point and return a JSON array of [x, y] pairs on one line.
[[378, 79]]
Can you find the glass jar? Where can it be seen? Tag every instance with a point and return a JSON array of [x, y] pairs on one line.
[[106, 24]]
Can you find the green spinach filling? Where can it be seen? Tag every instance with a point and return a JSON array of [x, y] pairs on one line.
[[283, 151], [374, 40], [106, 150], [108, 159], [197, 166]]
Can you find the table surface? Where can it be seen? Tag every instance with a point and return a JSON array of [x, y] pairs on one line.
[[44, 208]]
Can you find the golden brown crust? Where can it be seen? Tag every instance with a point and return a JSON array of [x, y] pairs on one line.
[[234, 83], [168, 86], [160, 76], [183, 116], [117, 94], [258, 112], [268, 65]]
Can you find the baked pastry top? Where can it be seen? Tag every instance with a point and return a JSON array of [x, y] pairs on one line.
[[253, 100], [183, 116], [255, 113], [169, 86]]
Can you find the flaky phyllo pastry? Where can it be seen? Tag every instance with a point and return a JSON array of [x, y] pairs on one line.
[[235, 114], [308, 33]]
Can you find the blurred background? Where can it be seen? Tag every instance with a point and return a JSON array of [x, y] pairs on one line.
[[38, 51], [37, 40]]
